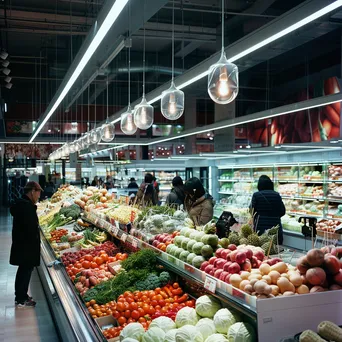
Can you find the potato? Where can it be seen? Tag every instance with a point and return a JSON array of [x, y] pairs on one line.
[[296, 279], [275, 275], [253, 281], [281, 267], [235, 280], [302, 289], [262, 288], [285, 275], [244, 275], [267, 278], [243, 284], [275, 290], [255, 276], [265, 269], [285, 285], [288, 293]]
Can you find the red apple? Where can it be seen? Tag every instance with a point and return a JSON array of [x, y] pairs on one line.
[[218, 252], [331, 264], [227, 278], [219, 263], [204, 265], [259, 255], [212, 272], [225, 253], [249, 253], [155, 243], [240, 257], [246, 266], [234, 268], [217, 273], [338, 278], [226, 266], [209, 268], [212, 260], [223, 275], [232, 247], [233, 255]]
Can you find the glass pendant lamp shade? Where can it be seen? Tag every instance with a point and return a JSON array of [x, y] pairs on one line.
[[223, 81], [78, 146], [95, 135], [107, 132], [83, 143], [172, 103], [143, 114], [87, 139], [127, 124]]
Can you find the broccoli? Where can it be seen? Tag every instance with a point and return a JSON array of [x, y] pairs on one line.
[[71, 211], [164, 278], [150, 283]]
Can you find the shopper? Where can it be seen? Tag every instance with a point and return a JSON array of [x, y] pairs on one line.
[[146, 194], [109, 183], [177, 195], [267, 208], [132, 185], [198, 203], [25, 250], [95, 181], [156, 188]]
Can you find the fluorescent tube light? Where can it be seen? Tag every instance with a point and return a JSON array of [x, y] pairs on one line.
[[5, 107], [111, 17], [309, 146], [103, 150], [35, 143]]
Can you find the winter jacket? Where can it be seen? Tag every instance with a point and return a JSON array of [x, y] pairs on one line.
[[146, 195], [202, 210], [176, 196], [25, 248], [267, 208]]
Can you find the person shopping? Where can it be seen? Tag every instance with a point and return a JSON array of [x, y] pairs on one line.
[[132, 185], [146, 194], [267, 208], [176, 196], [197, 202], [25, 250]]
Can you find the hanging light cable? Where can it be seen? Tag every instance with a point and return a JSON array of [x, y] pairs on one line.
[[143, 112], [96, 132], [172, 100], [78, 146], [88, 136], [108, 129], [223, 77], [127, 124]]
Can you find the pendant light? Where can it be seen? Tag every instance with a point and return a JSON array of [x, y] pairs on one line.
[[172, 101], [223, 78], [95, 134], [108, 129], [143, 112], [127, 124]]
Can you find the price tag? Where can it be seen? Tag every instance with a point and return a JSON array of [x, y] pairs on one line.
[[238, 294], [115, 231], [129, 239], [210, 284], [135, 243], [123, 237], [117, 224]]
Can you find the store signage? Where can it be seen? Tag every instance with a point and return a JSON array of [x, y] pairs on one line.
[[210, 284], [124, 237]]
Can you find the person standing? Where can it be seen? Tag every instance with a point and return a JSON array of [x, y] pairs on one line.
[[132, 185], [146, 194], [197, 202], [177, 195], [95, 181], [267, 208], [25, 250]]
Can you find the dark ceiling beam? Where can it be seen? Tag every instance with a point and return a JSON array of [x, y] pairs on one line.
[[44, 31]]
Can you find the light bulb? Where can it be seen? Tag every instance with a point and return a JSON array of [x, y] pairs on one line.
[[143, 114], [127, 124], [108, 132], [95, 135], [223, 88], [172, 103], [72, 147]]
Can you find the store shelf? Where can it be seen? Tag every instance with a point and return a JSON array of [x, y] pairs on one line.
[[321, 199], [72, 318], [334, 199]]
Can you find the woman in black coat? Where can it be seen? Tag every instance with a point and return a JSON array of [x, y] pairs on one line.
[[177, 195], [267, 208], [25, 250]]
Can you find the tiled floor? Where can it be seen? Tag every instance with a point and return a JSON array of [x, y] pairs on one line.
[[20, 325]]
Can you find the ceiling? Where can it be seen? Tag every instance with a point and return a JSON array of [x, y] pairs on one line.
[[43, 39]]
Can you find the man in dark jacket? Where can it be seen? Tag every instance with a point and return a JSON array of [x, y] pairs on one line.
[[25, 251]]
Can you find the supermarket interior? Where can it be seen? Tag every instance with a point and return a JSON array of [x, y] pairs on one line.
[[164, 158]]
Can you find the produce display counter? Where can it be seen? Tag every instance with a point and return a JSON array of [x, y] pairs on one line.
[[277, 318], [70, 314]]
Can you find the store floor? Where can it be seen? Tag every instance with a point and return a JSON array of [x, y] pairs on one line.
[[27, 324]]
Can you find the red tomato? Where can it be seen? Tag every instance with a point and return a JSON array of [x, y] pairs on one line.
[[127, 313], [88, 257], [86, 264], [122, 320], [135, 314]]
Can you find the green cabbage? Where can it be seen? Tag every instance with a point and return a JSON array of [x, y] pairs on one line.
[[164, 323], [207, 306], [241, 332], [186, 316], [132, 330], [223, 319], [206, 327], [188, 333], [170, 336], [153, 335], [216, 338]]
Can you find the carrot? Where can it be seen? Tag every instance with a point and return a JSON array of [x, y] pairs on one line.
[[167, 290], [183, 298], [164, 294], [178, 291]]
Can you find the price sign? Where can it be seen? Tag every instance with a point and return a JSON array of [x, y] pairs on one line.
[[123, 237], [135, 243], [117, 224], [210, 284], [129, 239], [115, 231]]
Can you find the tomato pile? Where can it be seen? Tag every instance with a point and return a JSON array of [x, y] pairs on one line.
[[98, 262], [142, 307], [57, 234]]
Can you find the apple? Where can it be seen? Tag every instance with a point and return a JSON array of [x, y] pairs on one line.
[[219, 263], [338, 278], [155, 243], [240, 257], [218, 252], [217, 273], [157, 236], [212, 260], [226, 266], [232, 255], [249, 253], [223, 275], [331, 264], [232, 247], [226, 280], [208, 269], [204, 265], [259, 255], [225, 253], [246, 266], [234, 268], [259, 262], [212, 272], [166, 239], [335, 287]]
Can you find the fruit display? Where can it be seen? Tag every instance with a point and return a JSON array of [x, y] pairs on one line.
[[291, 223], [311, 191], [329, 225], [286, 173], [65, 192], [335, 190], [123, 214], [288, 189], [310, 173], [335, 172]]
